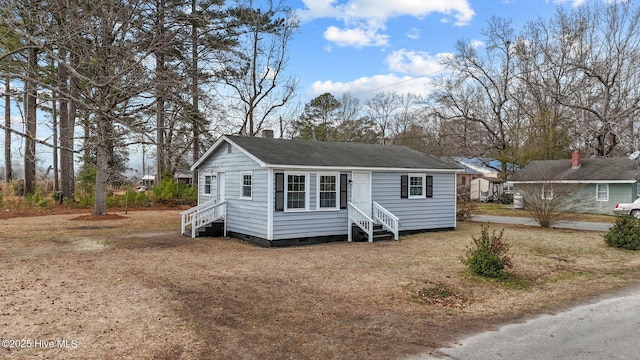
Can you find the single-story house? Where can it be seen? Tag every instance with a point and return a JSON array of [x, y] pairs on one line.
[[183, 177], [148, 181], [598, 184], [277, 192], [480, 167], [487, 167], [485, 189]]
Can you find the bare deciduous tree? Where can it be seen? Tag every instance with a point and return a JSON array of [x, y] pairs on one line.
[[381, 108], [255, 71], [547, 201], [478, 96]]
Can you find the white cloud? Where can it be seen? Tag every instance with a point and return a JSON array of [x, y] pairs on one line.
[[358, 37], [384, 9], [574, 3], [413, 34], [364, 19], [477, 43], [16, 120], [366, 87], [419, 63]]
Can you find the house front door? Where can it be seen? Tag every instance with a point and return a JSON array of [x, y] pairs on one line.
[[220, 186], [361, 191]]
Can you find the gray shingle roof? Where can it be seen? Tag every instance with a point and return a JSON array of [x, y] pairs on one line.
[[614, 169], [333, 154]]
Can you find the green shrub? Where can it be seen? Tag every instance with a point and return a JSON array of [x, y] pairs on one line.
[[131, 198], [38, 199], [86, 200], [174, 193], [488, 255], [625, 233]]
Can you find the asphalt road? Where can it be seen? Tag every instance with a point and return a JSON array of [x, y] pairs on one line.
[[577, 225], [606, 329]]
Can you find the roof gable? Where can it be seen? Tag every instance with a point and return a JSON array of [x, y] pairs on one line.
[[303, 153], [590, 170]]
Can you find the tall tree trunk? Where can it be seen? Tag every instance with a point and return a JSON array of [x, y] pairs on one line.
[[8, 169], [30, 111], [54, 128], [195, 93], [67, 122], [161, 154], [102, 167]]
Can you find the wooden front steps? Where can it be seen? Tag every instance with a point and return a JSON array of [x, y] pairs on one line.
[[379, 233], [214, 229]]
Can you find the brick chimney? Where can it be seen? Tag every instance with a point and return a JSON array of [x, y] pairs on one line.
[[575, 160], [267, 133]]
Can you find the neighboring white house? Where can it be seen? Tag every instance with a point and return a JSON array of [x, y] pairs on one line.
[[276, 192], [486, 189]]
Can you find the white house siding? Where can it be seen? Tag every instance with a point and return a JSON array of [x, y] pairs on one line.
[[310, 223], [243, 216], [417, 214]]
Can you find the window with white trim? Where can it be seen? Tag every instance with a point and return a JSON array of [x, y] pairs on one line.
[[208, 180], [328, 190], [416, 186], [296, 192], [602, 192], [547, 192], [247, 184]]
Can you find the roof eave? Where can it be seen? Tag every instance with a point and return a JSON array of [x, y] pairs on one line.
[[217, 144], [574, 181], [358, 168]]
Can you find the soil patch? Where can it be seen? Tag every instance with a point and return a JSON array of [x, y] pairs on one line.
[[93, 217]]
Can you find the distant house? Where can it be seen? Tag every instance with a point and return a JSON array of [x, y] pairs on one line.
[[486, 189], [600, 183], [183, 177], [480, 179], [277, 192], [148, 181], [486, 167]]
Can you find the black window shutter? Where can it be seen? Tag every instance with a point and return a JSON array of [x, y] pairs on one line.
[[279, 191], [404, 186], [429, 186], [343, 191]]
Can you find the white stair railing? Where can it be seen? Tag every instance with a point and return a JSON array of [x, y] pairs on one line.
[[386, 219], [202, 215], [361, 219]]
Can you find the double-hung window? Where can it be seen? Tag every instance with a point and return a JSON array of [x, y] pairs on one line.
[[547, 192], [208, 180], [296, 191], [602, 192], [247, 183], [416, 186], [328, 190]]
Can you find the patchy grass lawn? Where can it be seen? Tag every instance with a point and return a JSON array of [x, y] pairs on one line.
[[508, 210], [132, 287]]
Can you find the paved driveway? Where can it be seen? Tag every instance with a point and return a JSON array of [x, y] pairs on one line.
[[606, 329], [577, 225]]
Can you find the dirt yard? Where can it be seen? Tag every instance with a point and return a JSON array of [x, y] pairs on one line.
[[130, 286]]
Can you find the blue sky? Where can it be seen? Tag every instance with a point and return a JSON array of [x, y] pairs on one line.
[[371, 46]]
